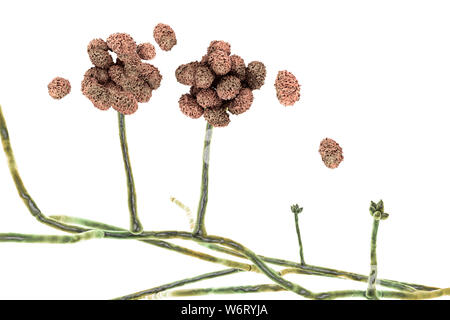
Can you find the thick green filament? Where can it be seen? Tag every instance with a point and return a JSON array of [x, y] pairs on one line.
[[371, 288], [228, 246], [199, 228], [135, 224], [21, 190], [35, 238], [297, 228], [149, 292], [307, 269]]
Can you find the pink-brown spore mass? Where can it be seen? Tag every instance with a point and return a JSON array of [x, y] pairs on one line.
[[220, 62], [217, 117], [255, 74], [58, 88], [146, 51], [185, 73], [331, 153], [228, 87], [208, 98], [203, 77], [238, 67], [219, 45], [124, 83], [121, 43], [98, 53], [190, 107], [220, 84], [164, 36], [287, 88], [242, 102]]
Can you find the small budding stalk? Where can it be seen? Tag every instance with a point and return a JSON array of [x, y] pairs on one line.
[[296, 210], [377, 212]]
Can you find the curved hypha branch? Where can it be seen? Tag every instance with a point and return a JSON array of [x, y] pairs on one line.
[[135, 224], [199, 228]]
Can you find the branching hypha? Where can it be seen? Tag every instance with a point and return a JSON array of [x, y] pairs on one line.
[[221, 84]]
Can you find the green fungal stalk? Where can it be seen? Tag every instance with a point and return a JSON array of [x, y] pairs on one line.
[[274, 269]]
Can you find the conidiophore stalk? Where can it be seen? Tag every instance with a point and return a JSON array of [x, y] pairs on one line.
[[135, 224], [377, 212], [201, 211], [297, 210]]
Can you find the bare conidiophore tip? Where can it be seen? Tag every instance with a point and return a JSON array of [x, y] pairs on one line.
[[287, 88], [58, 88], [331, 153], [164, 36]]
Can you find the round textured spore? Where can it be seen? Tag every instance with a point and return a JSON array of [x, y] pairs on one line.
[[255, 74], [228, 87], [123, 102], [185, 73], [208, 98], [98, 54], [220, 62], [97, 93], [238, 67], [189, 106], [203, 77], [146, 51], [99, 74], [151, 75], [331, 153], [242, 102], [219, 45], [217, 117], [121, 43], [164, 36], [287, 88], [58, 88]]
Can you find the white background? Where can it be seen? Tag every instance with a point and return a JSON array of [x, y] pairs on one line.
[[375, 77]]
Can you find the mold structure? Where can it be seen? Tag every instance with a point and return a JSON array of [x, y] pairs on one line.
[[331, 153], [58, 88], [287, 88], [164, 36], [220, 84], [124, 83]]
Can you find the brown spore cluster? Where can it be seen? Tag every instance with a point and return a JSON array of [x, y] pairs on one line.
[[164, 36], [287, 88], [331, 153], [124, 83], [220, 83], [58, 88]]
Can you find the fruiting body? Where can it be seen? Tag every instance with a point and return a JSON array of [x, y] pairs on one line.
[[287, 88], [217, 117], [219, 84], [242, 102], [220, 62], [164, 36], [228, 87], [146, 51], [255, 74], [126, 82], [189, 106], [208, 98], [331, 153], [58, 88]]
